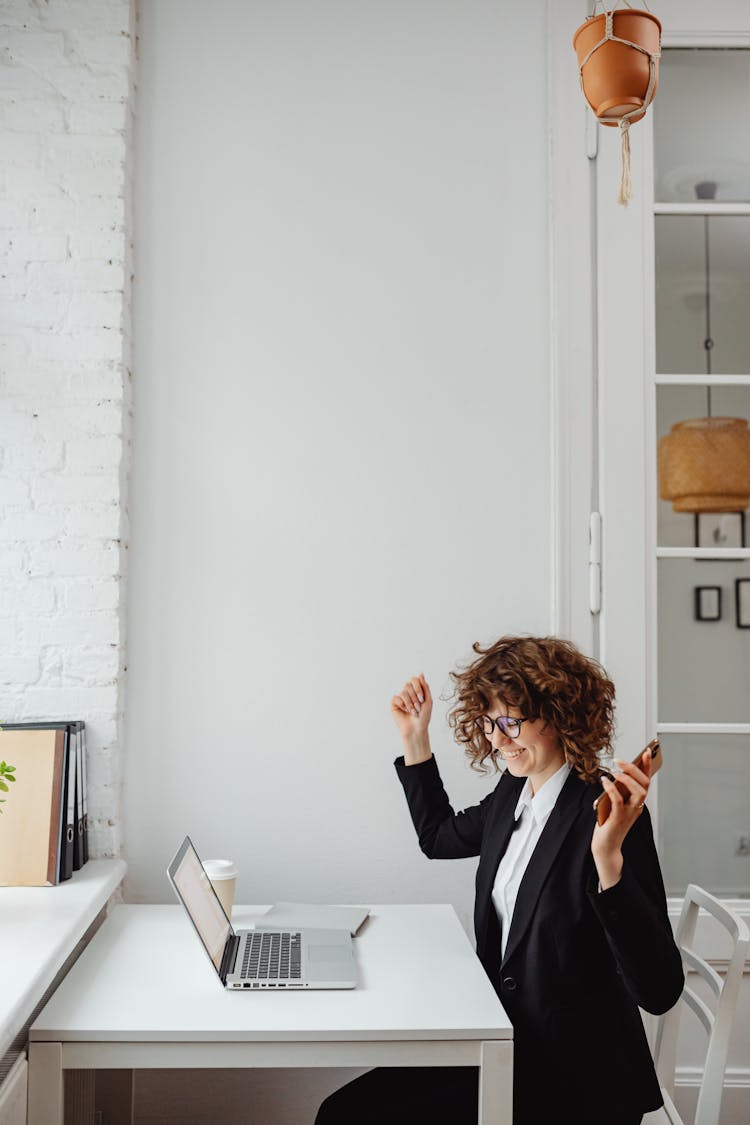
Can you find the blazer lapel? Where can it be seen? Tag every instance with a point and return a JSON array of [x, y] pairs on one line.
[[555, 830], [504, 824], [497, 841]]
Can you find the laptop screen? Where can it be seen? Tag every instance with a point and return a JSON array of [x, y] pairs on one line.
[[200, 901]]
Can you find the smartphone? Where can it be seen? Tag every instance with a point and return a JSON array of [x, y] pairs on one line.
[[603, 803]]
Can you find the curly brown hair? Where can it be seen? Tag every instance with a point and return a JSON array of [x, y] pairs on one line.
[[544, 678]]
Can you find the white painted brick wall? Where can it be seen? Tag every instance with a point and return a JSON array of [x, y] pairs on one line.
[[66, 111]]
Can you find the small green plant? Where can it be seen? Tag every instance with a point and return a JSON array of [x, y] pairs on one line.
[[6, 774]]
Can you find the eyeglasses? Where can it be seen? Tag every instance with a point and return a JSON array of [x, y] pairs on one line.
[[507, 726]]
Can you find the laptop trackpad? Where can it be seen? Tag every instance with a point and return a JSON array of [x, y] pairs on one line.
[[325, 952]]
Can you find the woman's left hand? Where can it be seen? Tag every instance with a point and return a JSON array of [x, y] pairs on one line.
[[607, 840]]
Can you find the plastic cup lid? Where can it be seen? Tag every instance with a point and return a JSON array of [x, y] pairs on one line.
[[220, 868]]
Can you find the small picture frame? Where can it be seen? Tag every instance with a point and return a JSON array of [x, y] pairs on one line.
[[720, 529], [707, 605], [742, 602]]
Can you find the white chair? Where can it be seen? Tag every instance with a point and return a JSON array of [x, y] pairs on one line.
[[717, 1020]]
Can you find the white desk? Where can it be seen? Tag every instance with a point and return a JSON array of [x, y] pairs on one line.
[[144, 994]]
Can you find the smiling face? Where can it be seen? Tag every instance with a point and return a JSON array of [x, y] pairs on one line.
[[535, 753]]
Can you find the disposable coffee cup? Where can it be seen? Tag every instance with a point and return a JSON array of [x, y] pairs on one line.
[[222, 875]]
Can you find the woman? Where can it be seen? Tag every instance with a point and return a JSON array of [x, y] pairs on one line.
[[570, 916]]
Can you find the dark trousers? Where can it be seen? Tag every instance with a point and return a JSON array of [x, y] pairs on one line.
[[407, 1095]]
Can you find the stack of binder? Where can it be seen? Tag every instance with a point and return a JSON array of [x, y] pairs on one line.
[[44, 820]]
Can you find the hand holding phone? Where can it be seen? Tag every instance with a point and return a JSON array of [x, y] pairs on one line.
[[603, 803]]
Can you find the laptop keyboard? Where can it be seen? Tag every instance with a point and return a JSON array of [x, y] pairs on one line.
[[272, 956]]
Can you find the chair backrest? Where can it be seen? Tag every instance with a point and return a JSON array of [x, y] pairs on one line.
[[716, 1019]]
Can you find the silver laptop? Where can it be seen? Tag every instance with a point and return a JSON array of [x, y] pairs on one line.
[[258, 958]]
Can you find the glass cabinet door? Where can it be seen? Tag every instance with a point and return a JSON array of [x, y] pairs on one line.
[[701, 117], [702, 361], [702, 282]]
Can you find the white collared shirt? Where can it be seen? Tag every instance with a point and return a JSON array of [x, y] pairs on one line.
[[533, 811]]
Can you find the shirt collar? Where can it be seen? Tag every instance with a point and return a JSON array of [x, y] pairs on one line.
[[542, 803]]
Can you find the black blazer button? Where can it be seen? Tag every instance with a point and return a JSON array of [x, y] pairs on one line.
[[509, 983]]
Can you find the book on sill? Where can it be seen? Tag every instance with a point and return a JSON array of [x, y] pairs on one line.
[[36, 817], [302, 915], [33, 820]]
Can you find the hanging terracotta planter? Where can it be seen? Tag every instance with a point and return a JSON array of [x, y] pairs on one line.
[[618, 63], [704, 465]]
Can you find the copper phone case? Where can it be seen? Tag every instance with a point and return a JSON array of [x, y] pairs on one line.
[[603, 803]]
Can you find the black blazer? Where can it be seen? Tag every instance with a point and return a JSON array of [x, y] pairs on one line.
[[578, 963]]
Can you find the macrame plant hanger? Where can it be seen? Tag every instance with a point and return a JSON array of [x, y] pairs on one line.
[[624, 120]]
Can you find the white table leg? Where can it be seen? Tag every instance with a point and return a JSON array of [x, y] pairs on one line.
[[496, 1083], [45, 1105]]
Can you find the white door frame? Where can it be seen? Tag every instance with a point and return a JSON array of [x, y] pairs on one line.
[[571, 146]]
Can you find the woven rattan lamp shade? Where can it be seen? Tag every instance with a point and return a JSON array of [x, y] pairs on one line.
[[704, 465]]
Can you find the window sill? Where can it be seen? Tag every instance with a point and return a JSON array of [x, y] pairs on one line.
[[41, 927]]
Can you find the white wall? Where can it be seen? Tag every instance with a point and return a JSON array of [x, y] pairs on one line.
[[341, 466], [66, 77]]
